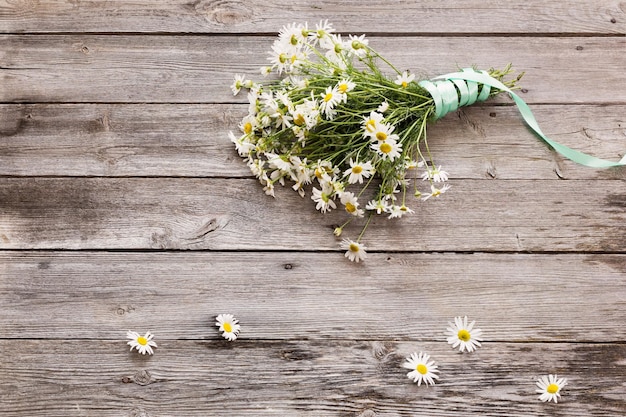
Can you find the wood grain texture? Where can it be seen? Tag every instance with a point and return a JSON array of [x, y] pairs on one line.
[[192, 140], [256, 16], [200, 69], [235, 214], [321, 296], [358, 378]]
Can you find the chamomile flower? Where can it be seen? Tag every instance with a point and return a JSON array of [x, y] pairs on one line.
[[357, 45], [323, 198], [396, 211], [436, 174], [355, 251], [237, 84], [371, 123], [380, 206], [404, 79], [330, 98], [228, 325], [550, 387], [143, 344], [436, 192], [344, 86], [384, 106], [351, 204], [358, 171], [422, 368], [464, 335], [388, 150], [382, 132]]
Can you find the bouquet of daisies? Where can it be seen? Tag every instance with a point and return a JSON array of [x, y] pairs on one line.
[[330, 121]]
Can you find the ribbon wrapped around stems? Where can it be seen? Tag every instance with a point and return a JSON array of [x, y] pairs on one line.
[[451, 91]]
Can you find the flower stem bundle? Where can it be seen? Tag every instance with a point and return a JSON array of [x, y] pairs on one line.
[[331, 121]]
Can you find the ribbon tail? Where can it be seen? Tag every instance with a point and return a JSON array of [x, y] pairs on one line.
[[572, 154]]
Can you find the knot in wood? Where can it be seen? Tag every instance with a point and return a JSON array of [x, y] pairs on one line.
[[142, 377]]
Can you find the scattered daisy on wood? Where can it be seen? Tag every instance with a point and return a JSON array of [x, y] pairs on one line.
[[143, 344], [422, 368], [550, 387], [463, 335], [229, 326]]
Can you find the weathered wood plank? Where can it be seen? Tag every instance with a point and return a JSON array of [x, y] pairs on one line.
[[287, 295], [192, 140], [235, 214], [199, 69], [207, 16], [359, 378]]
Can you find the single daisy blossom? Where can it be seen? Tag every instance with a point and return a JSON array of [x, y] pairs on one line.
[[463, 335], [404, 79], [351, 204], [228, 325], [436, 174], [389, 149], [330, 98], [550, 387], [355, 251], [436, 192], [143, 344], [422, 368], [358, 171], [237, 84]]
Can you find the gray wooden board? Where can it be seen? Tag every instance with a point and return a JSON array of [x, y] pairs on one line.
[[321, 296], [200, 69], [254, 16], [482, 141], [235, 214], [61, 378]]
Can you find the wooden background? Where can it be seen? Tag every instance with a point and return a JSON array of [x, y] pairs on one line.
[[123, 205]]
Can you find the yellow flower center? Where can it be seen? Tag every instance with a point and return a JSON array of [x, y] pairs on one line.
[[319, 173], [422, 369], [343, 87], [293, 40], [404, 84], [142, 340], [350, 208], [282, 58], [247, 128], [354, 247], [328, 97], [227, 327], [293, 58], [385, 147], [464, 335], [338, 48], [381, 136], [357, 169], [370, 125], [299, 120], [552, 388]]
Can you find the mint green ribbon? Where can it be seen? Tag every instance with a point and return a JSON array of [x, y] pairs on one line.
[[456, 89]]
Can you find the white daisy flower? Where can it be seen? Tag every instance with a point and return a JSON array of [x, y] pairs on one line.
[[143, 344], [294, 35], [463, 335], [355, 251], [388, 149], [330, 98], [344, 86], [422, 368], [357, 45], [384, 106], [404, 79], [237, 84], [351, 204], [243, 145], [436, 192], [323, 198], [380, 206], [398, 211], [371, 123], [436, 174], [229, 326], [382, 133], [358, 171], [550, 387], [321, 34]]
